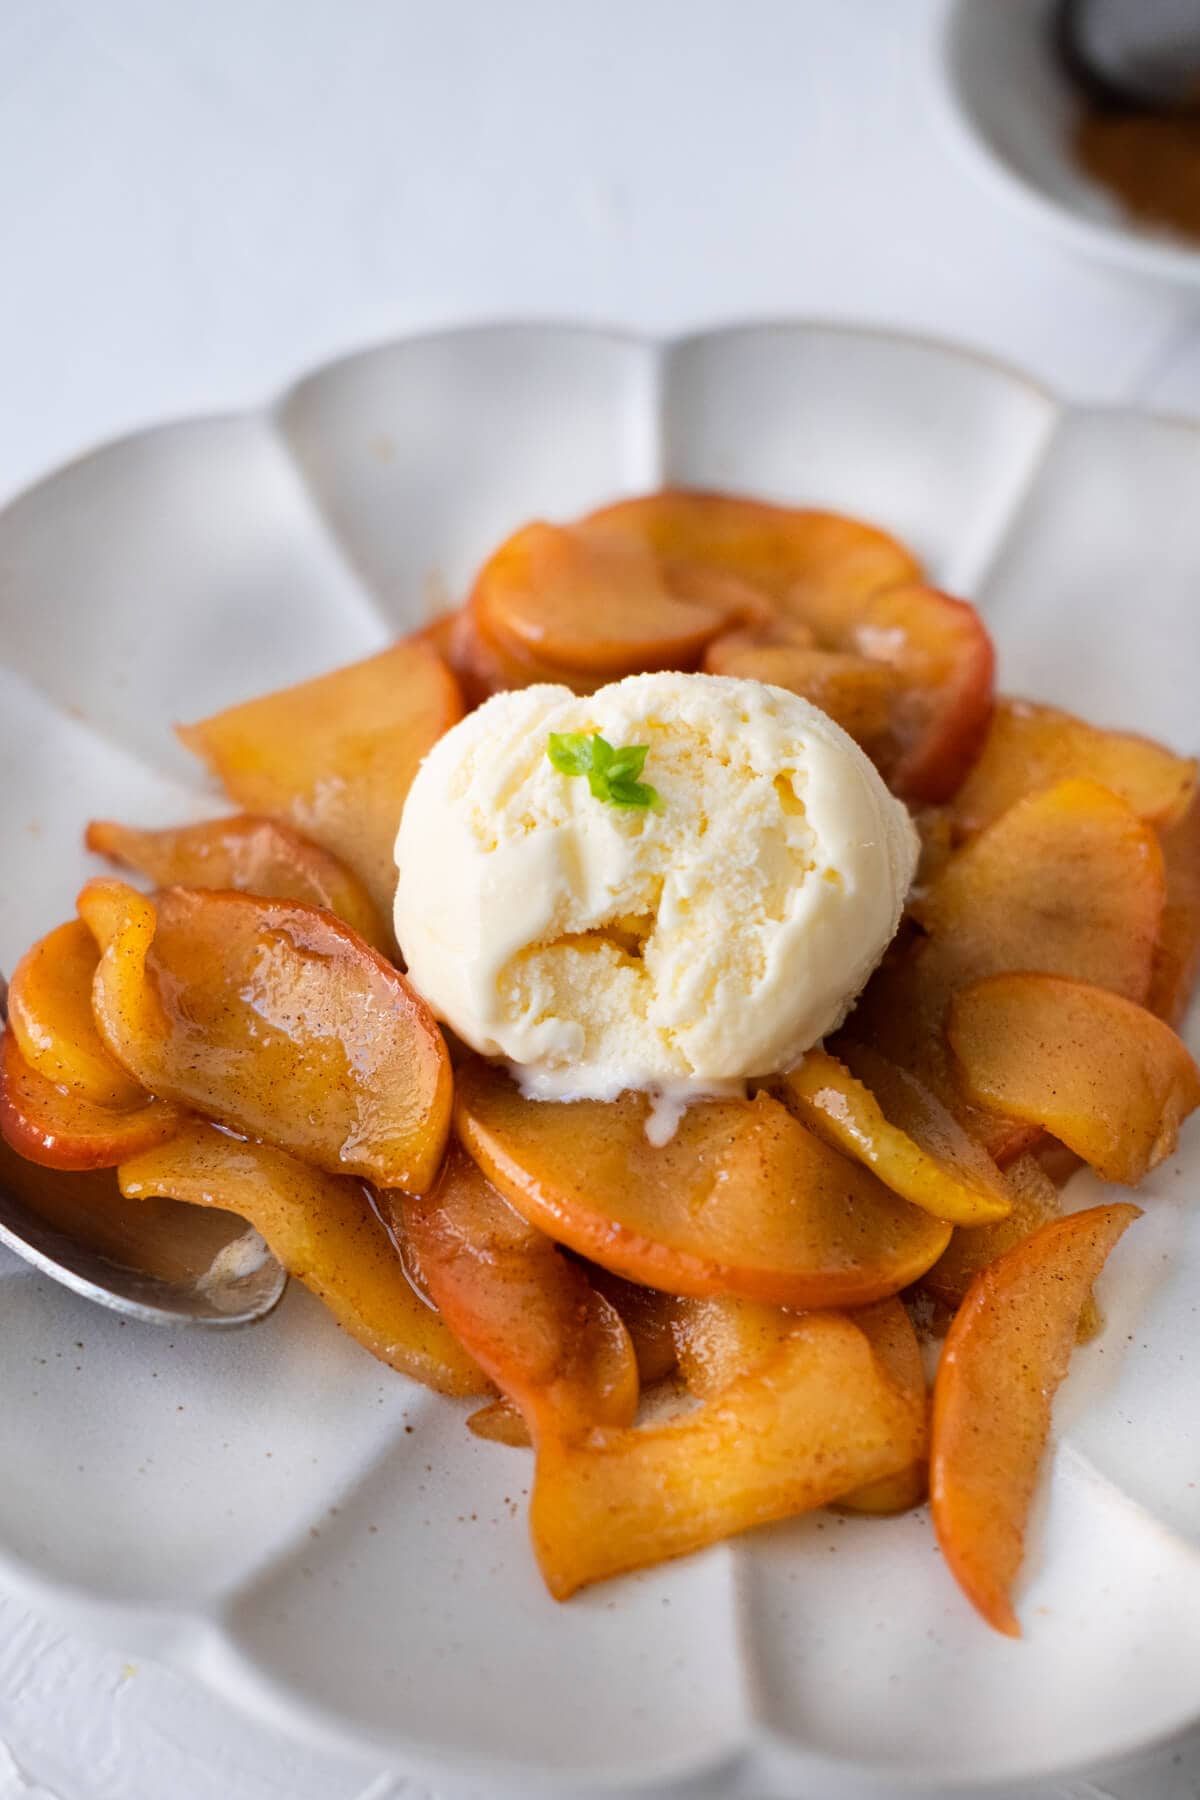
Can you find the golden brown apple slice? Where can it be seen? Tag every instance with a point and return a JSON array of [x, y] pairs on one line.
[[600, 603], [50, 1012], [719, 1340], [890, 1333], [814, 1420], [1035, 1201], [779, 550], [928, 1159], [648, 1316], [1177, 950], [1103, 1075], [324, 1231], [62, 1129], [857, 693], [1067, 882], [1029, 747], [527, 1314], [253, 855], [1006, 1354], [336, 756], [743, 1200], [276, 1019]]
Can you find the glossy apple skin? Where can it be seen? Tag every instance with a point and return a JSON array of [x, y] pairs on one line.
[[50, 1014], [335, 757], [276, 1019], [1005, 1355], [252, 855], [61, 1128], [814, 1420], [528, 1315], [1103, 1075], [325, 1232], [743, 1200]]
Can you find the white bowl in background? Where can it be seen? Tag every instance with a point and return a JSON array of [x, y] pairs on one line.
[[1010, 109]]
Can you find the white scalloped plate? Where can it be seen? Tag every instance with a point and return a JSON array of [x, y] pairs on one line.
[[304, 1530]]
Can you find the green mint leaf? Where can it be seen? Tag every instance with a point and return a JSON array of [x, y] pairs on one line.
[[627, 764], [612, 774], [570, 752]]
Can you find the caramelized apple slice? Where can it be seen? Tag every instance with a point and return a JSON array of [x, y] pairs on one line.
[[528, 1315], [500, 1422], [50, 1012], [336, 756], [1103, 1075], [599, 603], [276, 1019], [719, 1340], [942, 658], [1177, 950], [1029, 747], [743, 1200], [255, 856], [648, 1315], [1068, 882], [1035, 1201], [1005, 1356], [857, 693], [778, 550], [890, 1333], [814, 1420], [325, 1233], [929, 1159], [62, 1129]]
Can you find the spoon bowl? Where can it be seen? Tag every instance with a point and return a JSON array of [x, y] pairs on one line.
[[159, 1261]]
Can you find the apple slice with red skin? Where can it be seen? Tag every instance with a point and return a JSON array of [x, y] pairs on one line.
[[527, 1314], [62, 1129], [276, 1019], [1006, 1353], [742, 1200], [252, 855]]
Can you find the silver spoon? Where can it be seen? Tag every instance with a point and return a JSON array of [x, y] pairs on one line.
[[160, 1261]]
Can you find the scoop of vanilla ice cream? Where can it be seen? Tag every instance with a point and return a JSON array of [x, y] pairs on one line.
[[598, 948]]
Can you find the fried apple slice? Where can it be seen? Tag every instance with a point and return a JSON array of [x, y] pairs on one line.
[[1035, 1202], [336, 756], [60, 1128], [742, 1200], [527, 1314], [1177, 950], [1029, 747], [253, 855], [500, 1422], [1067, 882], [50, 1012], [928, 1160], [857, 693], [890, 1333], [276, 1019], [1103, 1075], [1007, 1352], [778, 550], [814, 1420], [719, 1340], [325, 1232], [601, 603], [648, 1316]]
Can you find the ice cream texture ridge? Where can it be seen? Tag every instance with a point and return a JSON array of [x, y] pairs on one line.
[[709, 940]]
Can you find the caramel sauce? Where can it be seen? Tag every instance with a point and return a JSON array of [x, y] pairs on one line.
[[1149, 161]]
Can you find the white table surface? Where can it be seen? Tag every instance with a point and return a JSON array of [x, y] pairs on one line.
[[200, 200]]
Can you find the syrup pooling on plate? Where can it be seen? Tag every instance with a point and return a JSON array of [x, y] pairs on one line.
[[709, 867]]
